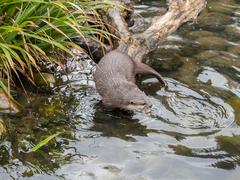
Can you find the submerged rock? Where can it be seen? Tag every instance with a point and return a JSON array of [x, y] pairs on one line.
[[214, 21], [6, 104], [206, 54], [222, 6], [233, 31], [234, 50], [212, 42], [198, 34], [181, 150], [166, 57], [168, 65], [218, 59], [230, 144], [188, 70], [235, 103], [223, 61]]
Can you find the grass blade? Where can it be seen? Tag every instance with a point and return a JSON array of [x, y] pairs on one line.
[[45, 141]]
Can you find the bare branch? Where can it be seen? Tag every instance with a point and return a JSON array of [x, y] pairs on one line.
[[138, 45], [116, 15], [180, 11]]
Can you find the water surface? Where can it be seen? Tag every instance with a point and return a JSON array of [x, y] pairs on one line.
[[192, 132]]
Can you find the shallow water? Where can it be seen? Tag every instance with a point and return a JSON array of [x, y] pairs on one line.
[[192, 132]]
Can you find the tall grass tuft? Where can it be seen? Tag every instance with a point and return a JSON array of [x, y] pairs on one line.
[[30, 28]]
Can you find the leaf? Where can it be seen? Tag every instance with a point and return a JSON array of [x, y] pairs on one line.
[[31, 29], [45, 141]]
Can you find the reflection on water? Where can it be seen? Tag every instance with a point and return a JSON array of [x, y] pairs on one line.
[[192, 132]]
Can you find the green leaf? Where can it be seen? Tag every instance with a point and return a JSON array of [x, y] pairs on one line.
[[31, 29], [45, 141]]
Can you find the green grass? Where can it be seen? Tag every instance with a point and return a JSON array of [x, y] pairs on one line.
[[45, 141], [29, 29]]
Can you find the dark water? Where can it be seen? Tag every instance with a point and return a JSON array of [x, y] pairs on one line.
[[192, 132]]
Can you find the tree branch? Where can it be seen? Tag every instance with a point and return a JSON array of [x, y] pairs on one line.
[[179, 12], [138, 45]]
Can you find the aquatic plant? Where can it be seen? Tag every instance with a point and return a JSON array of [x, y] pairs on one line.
[[46, 141], [30, 29]]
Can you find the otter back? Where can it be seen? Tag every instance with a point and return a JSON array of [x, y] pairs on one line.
[[115, 80]]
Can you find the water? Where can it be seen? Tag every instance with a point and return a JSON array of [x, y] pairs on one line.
[[192, 132]]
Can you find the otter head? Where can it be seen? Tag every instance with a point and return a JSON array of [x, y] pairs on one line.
[[127, 96]]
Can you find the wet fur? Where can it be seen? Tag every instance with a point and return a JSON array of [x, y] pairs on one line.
[[115, 81]]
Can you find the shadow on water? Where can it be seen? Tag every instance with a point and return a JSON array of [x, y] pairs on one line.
[[118, 124]]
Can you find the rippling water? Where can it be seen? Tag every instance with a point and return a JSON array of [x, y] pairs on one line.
[[192, 132]]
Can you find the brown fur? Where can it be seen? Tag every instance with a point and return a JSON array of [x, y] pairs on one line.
[[115, 81]]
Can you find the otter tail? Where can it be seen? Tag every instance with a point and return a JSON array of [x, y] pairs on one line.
[[141, 68]]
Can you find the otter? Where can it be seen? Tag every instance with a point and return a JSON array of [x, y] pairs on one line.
[[115, 82]]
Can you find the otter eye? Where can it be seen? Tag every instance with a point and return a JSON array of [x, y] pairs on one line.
[[131, 102]]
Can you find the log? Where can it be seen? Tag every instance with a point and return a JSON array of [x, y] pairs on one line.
[[138, 45]]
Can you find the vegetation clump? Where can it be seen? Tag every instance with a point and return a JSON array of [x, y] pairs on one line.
[[31, 29]]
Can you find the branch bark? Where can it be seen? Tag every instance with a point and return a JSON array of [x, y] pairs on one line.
[[138, 45]]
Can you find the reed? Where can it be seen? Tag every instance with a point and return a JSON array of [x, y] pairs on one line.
[[30, 29]]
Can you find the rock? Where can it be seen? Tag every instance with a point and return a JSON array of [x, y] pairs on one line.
[[166, 57], [112, 169], [218, 59], [44, 79], [214, 21], [233, 31], [213, 42], [222, 6], [235, 103], [225, 164], [224, 61], [188, 70], [229, 144], [234, 50], [181, 150], [3, 130], [6, 104], [198, 34], [167, 64], [204, 55]]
